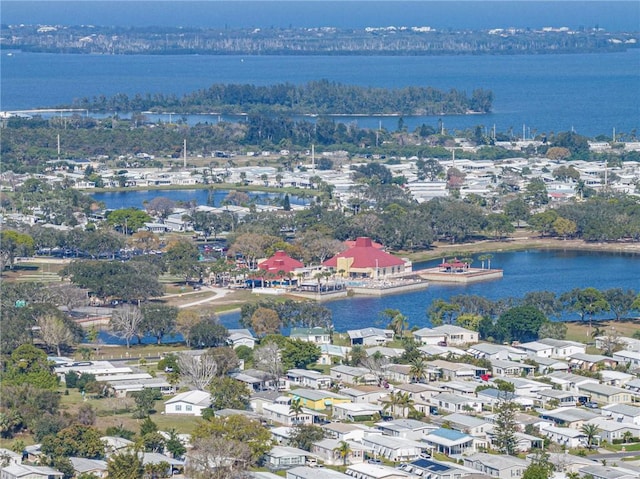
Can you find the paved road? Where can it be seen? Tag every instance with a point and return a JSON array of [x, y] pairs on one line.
[[613, 455]]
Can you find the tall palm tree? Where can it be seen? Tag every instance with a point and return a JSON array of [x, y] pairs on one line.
[[418, 369], [295, 408], [343, 449], [591, 431]]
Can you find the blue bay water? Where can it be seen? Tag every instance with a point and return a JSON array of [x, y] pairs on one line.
[[590, 93], [137, 199], [524, 271]]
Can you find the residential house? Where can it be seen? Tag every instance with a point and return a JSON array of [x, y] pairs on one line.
[[511, 368], [563, 348], [449, 442], [434, 351], [569, 381], [370, 336], [611, 472], [191, 403], [307, 378], [352, 375], [615, 378], [462, 388], [311, 335], [327, 451], [394, 449], [332, 354], [446, 335], [24, 471], [494, 352], [525, 387], [420, 394], [365, 394], [493, 397], [95, 467], [609, 429], [389, 353], [397, 373], [405, 428], [318, 399], [348, 432], [502, 466], [241, 337], [367, 470], [283, 414], [455, 403], [256, 380], [115, 443], [472, 425], [571, 417], [565, 436], [556, 398], [452, 371], [349, 411], [622, 413], [432, 469], [632, 358], [305, 472], [591, 362], [536, 349], [428, 336], [603, 394], [548, 365], [261, 398], [284, 457]]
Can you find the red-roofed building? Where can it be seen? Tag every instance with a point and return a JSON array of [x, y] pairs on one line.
[[280, 264], [364, 260]]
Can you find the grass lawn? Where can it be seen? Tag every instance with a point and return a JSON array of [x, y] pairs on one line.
[[627, 447], [581, 332]]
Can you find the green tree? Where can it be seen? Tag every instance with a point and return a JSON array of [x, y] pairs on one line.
[[343, 449], [299, 354], [440, 312], [125, 465], [174, 445], [586, 302], [12, 244], [145, 402], [296, 409], [28, 365], [397, 321], [182, 258], [304, 435], [237, 428], [75, 440], [536, 193], [158, 320], [227, 392], [620, 301], [591, 431], [522, 323], [506, 426], [128, 220]]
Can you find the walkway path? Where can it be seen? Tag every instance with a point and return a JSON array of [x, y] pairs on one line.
[[219, 293]]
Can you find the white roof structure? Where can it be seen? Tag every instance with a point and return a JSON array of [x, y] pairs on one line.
[[197, 398]]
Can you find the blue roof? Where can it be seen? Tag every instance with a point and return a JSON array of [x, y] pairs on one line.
[[497, 394], [448, 434]]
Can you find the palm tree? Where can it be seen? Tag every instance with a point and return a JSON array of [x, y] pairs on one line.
[[627, 436], [343, 449], [591, 431], [295, 408], [418, 369]]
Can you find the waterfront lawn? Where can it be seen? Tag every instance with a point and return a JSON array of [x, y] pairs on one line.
[[581, 332]]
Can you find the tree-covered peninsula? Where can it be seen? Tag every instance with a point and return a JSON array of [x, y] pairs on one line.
[[320, 97]]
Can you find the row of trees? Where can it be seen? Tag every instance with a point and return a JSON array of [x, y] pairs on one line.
[[525, 319], [316, 97]]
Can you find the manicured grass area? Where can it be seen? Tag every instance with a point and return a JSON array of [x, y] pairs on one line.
[[627, 447]]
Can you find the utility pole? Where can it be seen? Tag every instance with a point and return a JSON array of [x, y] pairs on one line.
[[185, 154]]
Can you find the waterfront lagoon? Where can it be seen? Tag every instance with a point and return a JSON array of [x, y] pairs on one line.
[[524, 271]]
